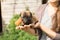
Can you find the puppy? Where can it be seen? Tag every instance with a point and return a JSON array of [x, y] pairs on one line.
[[26, 19]]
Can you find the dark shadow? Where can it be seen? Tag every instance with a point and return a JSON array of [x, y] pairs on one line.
[[0, 19], [44, 1]]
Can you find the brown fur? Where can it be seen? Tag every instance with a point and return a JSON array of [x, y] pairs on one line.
[[19, 21], [56, 20], [34, 19]]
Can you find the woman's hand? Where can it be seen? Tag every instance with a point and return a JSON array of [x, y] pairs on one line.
[[37, 25], [23, 27], [27, 28]]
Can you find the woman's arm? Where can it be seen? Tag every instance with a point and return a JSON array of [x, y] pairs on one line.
[[49, 32]]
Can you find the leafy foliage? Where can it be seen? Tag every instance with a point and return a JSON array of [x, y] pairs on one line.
[[12, 34]]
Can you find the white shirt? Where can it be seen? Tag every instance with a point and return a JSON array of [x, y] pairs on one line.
[[47, 18]]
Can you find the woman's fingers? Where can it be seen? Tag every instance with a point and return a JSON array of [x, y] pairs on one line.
[[26, 26], [37, 25], [23, 27], [20, 27], [32, 25]]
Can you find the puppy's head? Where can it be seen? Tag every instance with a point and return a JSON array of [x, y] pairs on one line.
[[26, 17]]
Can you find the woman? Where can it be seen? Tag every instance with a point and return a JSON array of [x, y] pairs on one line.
[[54, 4], [53, 35]]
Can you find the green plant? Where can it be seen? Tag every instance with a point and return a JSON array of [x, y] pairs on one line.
[[12, 34]]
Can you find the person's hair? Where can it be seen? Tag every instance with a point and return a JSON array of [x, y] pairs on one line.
[[56, 20], [44, 1]]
